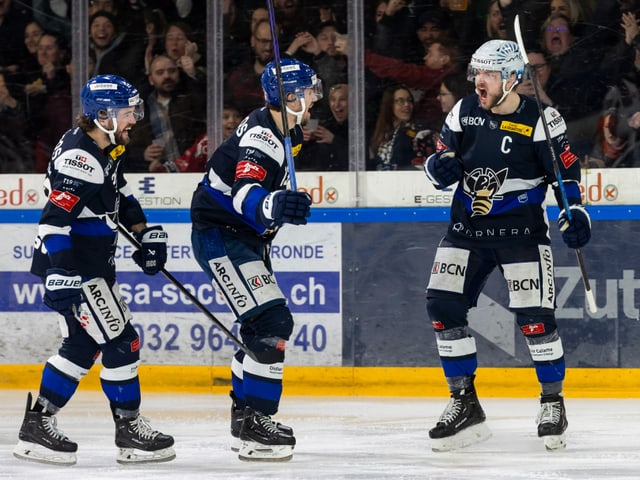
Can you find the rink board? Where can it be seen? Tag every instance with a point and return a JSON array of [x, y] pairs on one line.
[[354, 278]]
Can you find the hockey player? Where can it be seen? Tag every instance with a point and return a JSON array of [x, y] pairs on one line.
[[236, 211], [493, 143], [87, 198]]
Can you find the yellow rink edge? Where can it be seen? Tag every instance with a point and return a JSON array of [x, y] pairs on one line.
[[358, 381]]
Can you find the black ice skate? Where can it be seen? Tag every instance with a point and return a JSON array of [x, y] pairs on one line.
[[552, 421], [41, 441], [262, 440], [138, 442], [237, 415], [461, 424]]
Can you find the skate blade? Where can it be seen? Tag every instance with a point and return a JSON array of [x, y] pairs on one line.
[[555, 442], [127, 456], [257, 452], [235, 444], [37, 453], [469, 436]]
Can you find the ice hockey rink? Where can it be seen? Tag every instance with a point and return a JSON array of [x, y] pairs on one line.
[[341, 438]]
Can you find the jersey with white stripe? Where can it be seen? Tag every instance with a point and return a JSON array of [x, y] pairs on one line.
[[88, 196], [508, 166], [246, 167]]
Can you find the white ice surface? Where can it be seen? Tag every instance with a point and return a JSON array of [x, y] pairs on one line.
[[341, 438]]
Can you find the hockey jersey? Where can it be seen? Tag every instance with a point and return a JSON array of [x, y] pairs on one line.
[[246, 167], [508, 166], [87, 197]]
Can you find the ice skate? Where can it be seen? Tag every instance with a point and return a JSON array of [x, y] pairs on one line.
[[552, 421], [461, 424], [262, 440], [41, 441], [138, 442], [237, 415]]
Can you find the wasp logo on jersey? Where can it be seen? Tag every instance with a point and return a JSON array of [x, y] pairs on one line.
[[482, 185]]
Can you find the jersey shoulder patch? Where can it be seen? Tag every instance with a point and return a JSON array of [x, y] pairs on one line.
[[263, 139], [80, 164]]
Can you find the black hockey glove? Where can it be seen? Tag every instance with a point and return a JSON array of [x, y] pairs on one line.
[[62, 290], [152, 254], [443, 169], [577, 233], [284, 206]]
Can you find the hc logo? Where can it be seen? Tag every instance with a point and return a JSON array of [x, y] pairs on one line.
[[147, 185]]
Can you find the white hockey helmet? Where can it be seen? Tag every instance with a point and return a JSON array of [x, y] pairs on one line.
[[497, 56]]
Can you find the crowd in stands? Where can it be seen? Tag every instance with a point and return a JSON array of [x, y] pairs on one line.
[[584, 55]]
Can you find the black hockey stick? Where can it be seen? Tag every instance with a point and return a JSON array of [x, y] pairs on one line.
[[556, 166], [193, 298], [288, 150]]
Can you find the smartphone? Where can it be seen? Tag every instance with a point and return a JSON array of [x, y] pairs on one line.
[[312, 124]]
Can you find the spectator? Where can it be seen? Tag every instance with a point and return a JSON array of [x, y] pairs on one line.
[[392, 146], [425, 79], [174, 118], [578, 82], [576, 11], [29, 66], [496, 29], [116, 53], [326, 147], [16, 151], [330, 65], [49, 98], [242, 86], [540, 70], [615, 142], [453, 87], [180, 45], [291, 20]]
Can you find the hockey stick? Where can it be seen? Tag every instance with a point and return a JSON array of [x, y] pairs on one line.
[[193, 299], [556, 166], [288, 151]]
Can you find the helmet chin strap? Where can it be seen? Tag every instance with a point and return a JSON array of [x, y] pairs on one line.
[[504, 91], [111, 132], [299, 114]]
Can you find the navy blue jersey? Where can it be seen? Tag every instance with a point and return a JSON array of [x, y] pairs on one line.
[[87, 197], [508, 167], [247, 166]]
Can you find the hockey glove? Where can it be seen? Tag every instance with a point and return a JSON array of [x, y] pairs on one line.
[[284, 206], [577, 233], [62, 290], [443, 169], [152, 254]]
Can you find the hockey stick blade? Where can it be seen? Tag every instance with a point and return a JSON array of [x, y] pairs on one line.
[[591, 302], [193, 298]]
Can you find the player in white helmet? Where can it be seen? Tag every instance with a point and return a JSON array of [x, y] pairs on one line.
[[88, 197], [494, 146]]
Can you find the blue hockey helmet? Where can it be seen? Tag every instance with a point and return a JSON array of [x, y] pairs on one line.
[[104, 95], [502, 56], [296, 77]]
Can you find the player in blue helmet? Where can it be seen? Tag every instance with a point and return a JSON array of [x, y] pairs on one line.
[[297, 77], [104, 96], [236, 211], [88, 197], [495, 147]]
